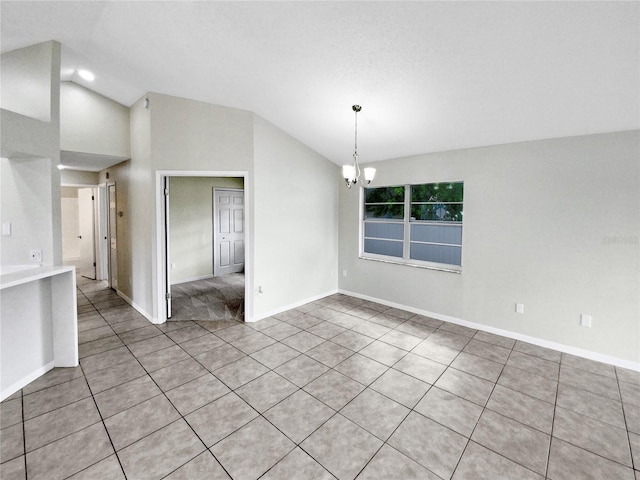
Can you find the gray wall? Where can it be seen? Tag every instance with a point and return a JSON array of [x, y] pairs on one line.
[[296, 220], [552, 224]]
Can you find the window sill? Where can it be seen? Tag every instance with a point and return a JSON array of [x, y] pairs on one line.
[[451, 269]]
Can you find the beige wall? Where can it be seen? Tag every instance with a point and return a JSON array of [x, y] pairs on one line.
[[552, 224], [191, 220], [127, 225], [78, 177], [91, 123]]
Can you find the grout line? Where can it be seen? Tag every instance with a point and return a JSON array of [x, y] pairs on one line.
[[330, 369]]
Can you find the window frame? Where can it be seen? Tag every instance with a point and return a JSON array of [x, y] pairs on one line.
[[406, 241]]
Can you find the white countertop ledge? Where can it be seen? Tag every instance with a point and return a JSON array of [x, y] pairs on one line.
[[13, 275]]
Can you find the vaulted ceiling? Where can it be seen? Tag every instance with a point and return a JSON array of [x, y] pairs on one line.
[[430, 76]]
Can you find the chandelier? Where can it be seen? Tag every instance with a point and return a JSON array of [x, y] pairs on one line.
[[351, 173]]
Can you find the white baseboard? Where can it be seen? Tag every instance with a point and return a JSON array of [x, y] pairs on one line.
[[290, 306], [140, 310], [579, 352], [26, 380], [192, 279]]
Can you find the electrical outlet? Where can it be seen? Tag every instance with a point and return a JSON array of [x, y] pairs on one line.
[[36, 256], [519, 307]]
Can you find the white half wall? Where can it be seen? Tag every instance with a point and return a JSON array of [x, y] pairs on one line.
[[553, 224], [26, 81], [30, 181]]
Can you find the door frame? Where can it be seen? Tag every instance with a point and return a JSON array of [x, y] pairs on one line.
[[100, 216], [160, 286], [110, 227], [92, 228], [102, 232], [215, 220]]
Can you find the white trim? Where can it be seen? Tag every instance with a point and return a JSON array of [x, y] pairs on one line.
[[192, 279], [140, 310], [426, 265], [26, 380], [579, 352], [294, 305], [158, 254]]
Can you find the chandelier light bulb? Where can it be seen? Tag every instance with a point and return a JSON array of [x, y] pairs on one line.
[[351, 173]]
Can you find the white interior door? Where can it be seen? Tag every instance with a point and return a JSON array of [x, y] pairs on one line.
[[70, 226], [113, 244], [228, 231], [87, 261], [102, 234]]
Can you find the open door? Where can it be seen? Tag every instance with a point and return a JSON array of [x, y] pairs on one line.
[[228, 231], [86, 226], [167, 249]]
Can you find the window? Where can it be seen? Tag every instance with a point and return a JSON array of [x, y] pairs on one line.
[[417, 225]]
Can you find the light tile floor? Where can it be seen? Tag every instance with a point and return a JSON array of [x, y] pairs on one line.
[[338, 388]]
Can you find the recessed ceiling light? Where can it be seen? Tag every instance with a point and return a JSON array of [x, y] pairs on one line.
[[87, 75]]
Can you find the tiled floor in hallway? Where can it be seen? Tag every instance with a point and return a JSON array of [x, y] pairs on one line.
[[339, 388]]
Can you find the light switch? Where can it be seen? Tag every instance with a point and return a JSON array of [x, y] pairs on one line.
[[585, 320], [6, 229]]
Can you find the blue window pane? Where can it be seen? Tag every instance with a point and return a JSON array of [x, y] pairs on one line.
[[437, 233], [437, 212], [383, 247], [393, 231], [436, 253]]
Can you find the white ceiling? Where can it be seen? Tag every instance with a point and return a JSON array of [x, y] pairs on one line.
[[430, 76]]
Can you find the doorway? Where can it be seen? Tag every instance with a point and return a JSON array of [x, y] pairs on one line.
[[79, 229], [201, 245]]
